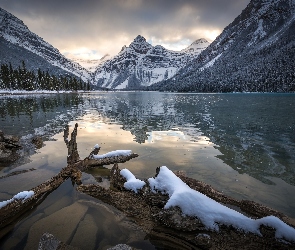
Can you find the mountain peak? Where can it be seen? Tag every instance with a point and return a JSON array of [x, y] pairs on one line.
[[197, 46], [199, 41], [139, 39], [140, 45]]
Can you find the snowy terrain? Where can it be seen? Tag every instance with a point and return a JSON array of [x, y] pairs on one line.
[[14, 31], [210, 212], [254, 53], [141, 64], [91, 64]]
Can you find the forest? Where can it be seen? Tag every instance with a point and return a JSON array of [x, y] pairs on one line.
[[21, 78]]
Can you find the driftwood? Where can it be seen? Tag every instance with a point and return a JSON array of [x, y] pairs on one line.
[[175, 231], [10, 213], [165, 227]]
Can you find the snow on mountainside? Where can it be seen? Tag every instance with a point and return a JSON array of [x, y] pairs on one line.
[[15, 32], [256, 52], [91, 64], [197, 46], [142, 64]]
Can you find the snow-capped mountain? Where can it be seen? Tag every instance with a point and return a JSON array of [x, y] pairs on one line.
[[256, 52], [141, 64], [19, 43], [91, 64], [197, 47]]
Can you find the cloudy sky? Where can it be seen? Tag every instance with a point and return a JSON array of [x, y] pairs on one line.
[[90, 29]]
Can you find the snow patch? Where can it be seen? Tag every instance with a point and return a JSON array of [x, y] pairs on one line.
[[115, 153], [132, 183], [210, 212], [210, 63], [123, 85], [20, 196]]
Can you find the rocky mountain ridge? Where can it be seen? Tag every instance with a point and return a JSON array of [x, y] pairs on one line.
[[141, 64], [19, 43], [256, 52]]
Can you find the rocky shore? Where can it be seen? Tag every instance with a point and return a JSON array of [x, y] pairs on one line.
[[9, 145]]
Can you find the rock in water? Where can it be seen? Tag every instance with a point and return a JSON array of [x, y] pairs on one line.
[[49, 242], [62, 224], [9, 145]]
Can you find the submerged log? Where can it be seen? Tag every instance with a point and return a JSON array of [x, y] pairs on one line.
[[176, 231], [146, 208], [14, 209]]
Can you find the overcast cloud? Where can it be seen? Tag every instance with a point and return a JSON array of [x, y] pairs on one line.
[[92, 28]]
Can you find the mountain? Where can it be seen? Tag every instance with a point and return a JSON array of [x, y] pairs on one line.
[[91, 64], [256, 52], [18, 43], [141, 64]]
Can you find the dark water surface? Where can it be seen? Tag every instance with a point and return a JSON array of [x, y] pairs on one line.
[[241, 144]]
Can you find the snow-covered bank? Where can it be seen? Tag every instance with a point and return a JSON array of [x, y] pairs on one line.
[[207, 210], [25, 92]]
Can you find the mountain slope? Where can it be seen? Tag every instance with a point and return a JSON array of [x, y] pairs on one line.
[[16, 37], [142, 64], [256, 52]]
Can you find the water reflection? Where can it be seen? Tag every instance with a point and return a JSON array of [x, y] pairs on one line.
[[255, 133], [38, 114], [252, 133]]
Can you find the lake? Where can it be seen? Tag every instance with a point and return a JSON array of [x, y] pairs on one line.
[[241, 144]]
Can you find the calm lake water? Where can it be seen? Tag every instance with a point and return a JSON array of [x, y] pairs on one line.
[[241, 144]]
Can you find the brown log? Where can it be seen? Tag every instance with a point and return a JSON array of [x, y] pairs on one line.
[[14, 210], [176, 231]]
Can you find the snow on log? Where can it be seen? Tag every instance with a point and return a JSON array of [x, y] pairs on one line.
[[132, 183], [210, 212]]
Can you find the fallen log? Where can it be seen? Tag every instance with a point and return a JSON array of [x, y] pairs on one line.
[[176, 231], [11, 211]]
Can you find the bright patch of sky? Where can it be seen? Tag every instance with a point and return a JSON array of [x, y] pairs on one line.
[[82, 53]]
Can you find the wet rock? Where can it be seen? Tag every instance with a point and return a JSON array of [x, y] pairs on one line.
[[38, 142], [9, 145], [49, 242], [1, 135], [11, 139], [121, 247], [61, 224]]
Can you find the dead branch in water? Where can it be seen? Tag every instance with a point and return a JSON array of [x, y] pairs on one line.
[[13, 210]]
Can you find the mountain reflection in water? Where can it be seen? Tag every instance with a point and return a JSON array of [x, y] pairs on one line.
[[241, 144], [255, 133]]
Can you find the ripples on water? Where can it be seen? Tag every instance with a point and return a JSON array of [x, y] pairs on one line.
[[242, 144]]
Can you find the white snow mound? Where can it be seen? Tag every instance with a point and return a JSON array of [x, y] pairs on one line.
[[113, 154], [132, 183], [210, 212]]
